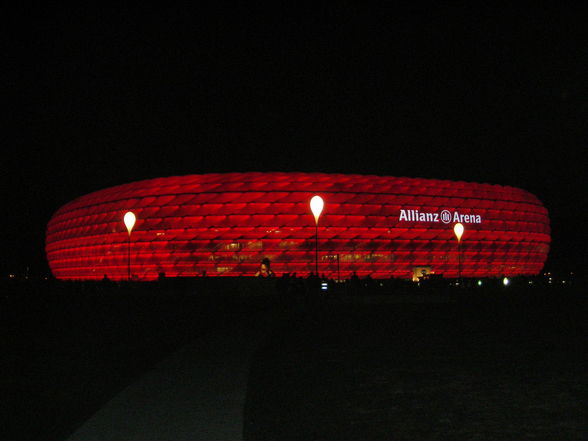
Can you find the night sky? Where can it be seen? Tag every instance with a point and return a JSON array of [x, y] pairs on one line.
[[96, 97]]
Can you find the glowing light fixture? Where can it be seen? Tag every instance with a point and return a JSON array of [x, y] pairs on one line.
[[505, 281], [316, 206], [129, 220], [479, 283], [458, 230]]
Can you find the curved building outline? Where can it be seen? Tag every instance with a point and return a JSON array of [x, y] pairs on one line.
[[225, 224]]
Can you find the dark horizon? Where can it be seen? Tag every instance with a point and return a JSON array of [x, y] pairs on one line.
[[99, 98]]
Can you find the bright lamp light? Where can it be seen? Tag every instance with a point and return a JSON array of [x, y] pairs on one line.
[[458, 230], [130, 220], [316, 206]]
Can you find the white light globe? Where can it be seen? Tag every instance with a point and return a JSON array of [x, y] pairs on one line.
[[316, 206], [130, 220], [458, 230]]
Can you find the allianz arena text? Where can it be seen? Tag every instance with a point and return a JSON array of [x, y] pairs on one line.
[[225, 224]]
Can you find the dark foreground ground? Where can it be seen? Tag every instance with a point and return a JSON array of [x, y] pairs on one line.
[[497, 369], [504, 366], [66, 350]]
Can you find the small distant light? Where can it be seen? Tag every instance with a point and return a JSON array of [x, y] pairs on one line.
[[324, 286], [505, 281], [563, 282], [12, 276], [479, 283], [530, 282]]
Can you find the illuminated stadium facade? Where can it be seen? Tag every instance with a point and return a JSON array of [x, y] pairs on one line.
[[225, 224]]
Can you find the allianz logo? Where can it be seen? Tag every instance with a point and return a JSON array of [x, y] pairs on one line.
[[445, 216]]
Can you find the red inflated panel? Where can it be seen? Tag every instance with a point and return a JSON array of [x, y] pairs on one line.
[[225, 224]]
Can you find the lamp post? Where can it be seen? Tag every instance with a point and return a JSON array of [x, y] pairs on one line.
[[316, 206], [458, 230], [129, 220]]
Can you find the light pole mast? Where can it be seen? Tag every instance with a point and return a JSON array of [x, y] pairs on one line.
[[458, 230], [316, 206], [129, 220]]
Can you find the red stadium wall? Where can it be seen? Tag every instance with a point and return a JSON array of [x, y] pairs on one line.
[[224, 224]]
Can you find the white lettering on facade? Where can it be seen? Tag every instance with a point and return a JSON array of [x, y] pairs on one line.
[[445, 216]]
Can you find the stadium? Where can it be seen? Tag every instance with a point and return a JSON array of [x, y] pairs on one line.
[[224, 224]]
